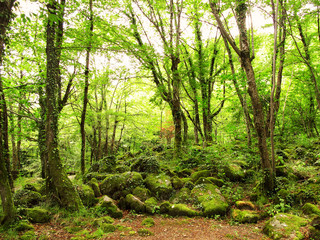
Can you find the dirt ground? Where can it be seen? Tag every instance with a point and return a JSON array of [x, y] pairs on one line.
[[165, 228]]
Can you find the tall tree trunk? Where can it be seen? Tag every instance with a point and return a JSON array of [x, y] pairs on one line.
[[6, 183], [57, 180], [244, 54], [85, 97]]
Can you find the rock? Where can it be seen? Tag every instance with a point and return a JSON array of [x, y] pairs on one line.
[[38, 215], [105, 165], [204, 174], [183, 196], [285, 226], [146, 164], [107, 227], [151, 205], [177, 210], [24, 225], [87, 195], [119, 185], [311, 209], [135, 204], [95, 187], [184, 173], [316, 223], [27, 198], [245, 216], [159, 185], [142, 193], [177, 182], [107, 205], [211, 199], [234, 172], [99, 221], [145, 232], [245, 205], [148, 222]]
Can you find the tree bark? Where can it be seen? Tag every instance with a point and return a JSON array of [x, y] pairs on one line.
[[244, 54], [58, 182], [85, 97], [6, 183]]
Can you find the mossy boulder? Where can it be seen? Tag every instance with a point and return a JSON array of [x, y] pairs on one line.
[[159, 185], [99, 176], [151, 205], [119, 185], [145, 232], [146, 164], [184, 173], [200, 174], [94, 184], [105, 165], [245, 216], [142, 193], [211, 199], [234, 172], [107, 205], [310, 209], [148, 222], [177, 182], [285, 226], [87, 195], [134, 203], [27, 198], [38, 215], [107, 227], [24, 225], [245, 205], [182, 196], [177, 210], [99, 221]]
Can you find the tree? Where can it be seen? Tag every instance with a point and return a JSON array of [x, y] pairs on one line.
[[5, 176], [57, 180], [244, 54]]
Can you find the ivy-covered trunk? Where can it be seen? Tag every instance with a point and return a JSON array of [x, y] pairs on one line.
[[58, 182], [5, 177]]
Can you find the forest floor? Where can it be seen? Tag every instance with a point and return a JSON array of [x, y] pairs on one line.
[[165, 228]]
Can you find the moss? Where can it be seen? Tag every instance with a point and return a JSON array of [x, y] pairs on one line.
[[38, 215], [106, 205], [24, 226], [119, 185], [98, 222], [148, 222], [189, 185], [182, 196], [234, 172], [196, 175], [159, 185], [26, 198], [146, 164], [144, 232], [95, 187], [165, 207], [216, 181], [182, 210], [245, 205], [245, 216], [87, 195], [142, 193], [311, 209], [151, 205], [209, 196], [29, 235], [284, 226], [184, 173], [107, 227], [177, 182], [135, 204]]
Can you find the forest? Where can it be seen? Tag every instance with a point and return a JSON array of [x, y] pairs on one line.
[[159, 119]]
